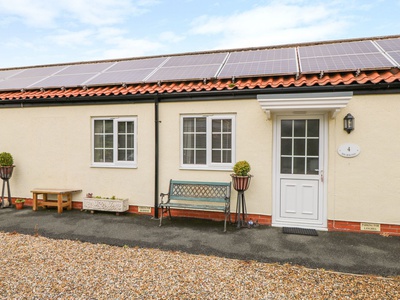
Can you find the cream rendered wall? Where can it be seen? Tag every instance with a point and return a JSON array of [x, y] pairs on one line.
[[51, 147], [366, 188], [253, 143]]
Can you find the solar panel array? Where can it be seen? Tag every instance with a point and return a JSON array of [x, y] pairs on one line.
[[342, 57], [331, 57]]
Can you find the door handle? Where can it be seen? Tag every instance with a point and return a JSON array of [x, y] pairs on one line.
[[321, 173]]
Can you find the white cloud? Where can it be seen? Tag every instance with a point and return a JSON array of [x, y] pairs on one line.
[[107, 33], [120, 47], [103, 43], [30, 12], [171, 37], [278, 23], [52, 13], [147, 2], [67, 38], [17, 43], [71, 30], [99, 12]]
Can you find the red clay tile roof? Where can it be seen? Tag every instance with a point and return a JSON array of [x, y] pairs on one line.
[[347, 78]]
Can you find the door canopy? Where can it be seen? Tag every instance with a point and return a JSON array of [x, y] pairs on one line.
[[304, 102]]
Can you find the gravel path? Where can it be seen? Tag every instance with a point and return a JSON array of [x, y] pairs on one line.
[[42, 268]]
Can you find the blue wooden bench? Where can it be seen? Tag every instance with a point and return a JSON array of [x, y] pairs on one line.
[[210, 196]]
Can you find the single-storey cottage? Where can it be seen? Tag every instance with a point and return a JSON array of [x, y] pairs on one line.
[[126, 127]]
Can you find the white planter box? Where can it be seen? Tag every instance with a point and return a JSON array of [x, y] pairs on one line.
[[104, 204]]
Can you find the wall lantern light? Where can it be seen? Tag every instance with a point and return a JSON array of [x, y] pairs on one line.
[[348, 123]]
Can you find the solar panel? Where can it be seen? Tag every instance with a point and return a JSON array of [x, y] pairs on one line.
[[395, 55], [184, 73], [392, 48], [39, 71], [69, 80], [86, 68], [260, 62], [9, 73], [188, 67], [389, 44], [348, 48], [342, 57], [130, 76], [19, 83], [196, 60], [261, 55], [149, 63], [345, 62], [259, 68]]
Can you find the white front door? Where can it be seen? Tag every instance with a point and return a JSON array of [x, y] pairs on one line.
[[299, 176]]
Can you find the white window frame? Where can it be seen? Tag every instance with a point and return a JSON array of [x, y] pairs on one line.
[[116, 163], [209, 164]]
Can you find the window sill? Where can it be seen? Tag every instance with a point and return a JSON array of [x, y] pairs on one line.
[[206, 168], [113, 166]]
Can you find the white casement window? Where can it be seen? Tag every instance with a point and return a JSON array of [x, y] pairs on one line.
[[207, 142], [114, 142]]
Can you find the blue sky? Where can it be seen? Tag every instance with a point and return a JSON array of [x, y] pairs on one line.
[[36, 32]]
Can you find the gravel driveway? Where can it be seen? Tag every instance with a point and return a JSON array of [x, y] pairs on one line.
[[35, 267]]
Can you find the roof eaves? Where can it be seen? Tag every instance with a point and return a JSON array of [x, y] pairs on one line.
[[346, 78]]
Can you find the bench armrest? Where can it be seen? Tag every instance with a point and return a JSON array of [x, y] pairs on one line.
[[162, 195]]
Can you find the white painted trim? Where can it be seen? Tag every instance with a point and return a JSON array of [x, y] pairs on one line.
[[306, 102], [116, 164], [276, 174], [209, 165]]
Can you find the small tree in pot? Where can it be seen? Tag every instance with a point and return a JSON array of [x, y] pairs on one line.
[[6, 165], [6, 170], [241, 177]]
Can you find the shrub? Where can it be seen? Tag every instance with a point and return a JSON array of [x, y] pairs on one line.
[[6, 159], [242, 168]]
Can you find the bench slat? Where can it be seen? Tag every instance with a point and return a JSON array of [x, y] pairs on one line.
[[199, 183], [219, 200], [188, 206]]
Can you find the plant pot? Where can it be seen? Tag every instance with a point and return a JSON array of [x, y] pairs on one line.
[[19, 205], [105, 204], [6, 172], [241, 183]]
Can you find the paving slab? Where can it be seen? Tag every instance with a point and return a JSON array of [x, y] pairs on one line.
[[358, 253]]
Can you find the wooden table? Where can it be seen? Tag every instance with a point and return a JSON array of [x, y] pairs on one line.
[[60, 195]]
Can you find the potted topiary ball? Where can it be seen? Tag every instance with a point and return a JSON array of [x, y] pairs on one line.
[[241, 177], [6, 165]]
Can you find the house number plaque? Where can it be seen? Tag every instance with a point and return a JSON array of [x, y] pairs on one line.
[[349, 150]]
